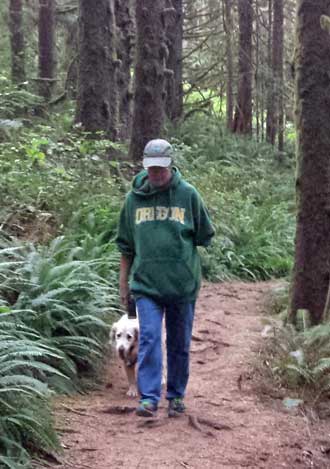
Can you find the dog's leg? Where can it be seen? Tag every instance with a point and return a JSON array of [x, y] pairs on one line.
[[164, 376], [130, 372]]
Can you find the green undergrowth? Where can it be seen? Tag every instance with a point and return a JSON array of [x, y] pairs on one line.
[[59, 293], [250, 198], [295, 358], [55, 176], [57, 303]]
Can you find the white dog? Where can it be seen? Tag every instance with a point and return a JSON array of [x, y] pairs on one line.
[[124, 336]]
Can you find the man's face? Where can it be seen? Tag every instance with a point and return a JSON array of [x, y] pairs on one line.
[[159, 176]]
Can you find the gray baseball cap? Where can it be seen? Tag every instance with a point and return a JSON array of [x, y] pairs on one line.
[[157, 152]]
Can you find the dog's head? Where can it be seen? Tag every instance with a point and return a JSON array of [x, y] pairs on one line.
[[124, 337]]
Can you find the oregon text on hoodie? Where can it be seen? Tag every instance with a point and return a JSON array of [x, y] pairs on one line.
[[161, 229]]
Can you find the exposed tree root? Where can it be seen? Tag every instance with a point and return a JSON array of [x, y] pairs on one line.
[[197, 422], [152, 423], [118, 410], [212, 424]]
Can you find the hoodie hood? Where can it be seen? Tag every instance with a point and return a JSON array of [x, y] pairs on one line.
[[142, 187]]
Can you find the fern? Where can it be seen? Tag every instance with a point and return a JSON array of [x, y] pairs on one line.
[[300, 358], [322, 367], [25, 420], [14, 101], [55, 323]]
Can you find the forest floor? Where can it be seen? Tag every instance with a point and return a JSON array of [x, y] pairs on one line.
[[233, 419]]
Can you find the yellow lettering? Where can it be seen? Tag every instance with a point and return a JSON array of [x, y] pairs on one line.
[[144, 214], [177, 214], [150, 213], [180, 215], [162, 213], [139, 216], [172, 217], [159, 213]]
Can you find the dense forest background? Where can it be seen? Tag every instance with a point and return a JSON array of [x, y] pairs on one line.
[[240, 88]]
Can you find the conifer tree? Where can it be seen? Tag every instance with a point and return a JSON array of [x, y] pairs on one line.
[[17, 41], [97, 103], [311, 275], [243, 112], [149, 94], [125, 46], [46, 26]]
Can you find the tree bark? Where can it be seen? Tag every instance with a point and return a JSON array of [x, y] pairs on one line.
[[148, 114], [275, 110], [46, 27], [17, 41], [71, 60], [174, 89], [125, 45], [243, 112], [311, 274], [270, 119], [228, 26], [256, 80], [278, 40], [97, 104]]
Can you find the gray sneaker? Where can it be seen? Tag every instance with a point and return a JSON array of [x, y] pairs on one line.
[[176, 407], [146, 408]]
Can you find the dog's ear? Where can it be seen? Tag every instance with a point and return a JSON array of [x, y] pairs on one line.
[[113, 333]]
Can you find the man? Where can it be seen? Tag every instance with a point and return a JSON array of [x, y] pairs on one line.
[[162, 222]]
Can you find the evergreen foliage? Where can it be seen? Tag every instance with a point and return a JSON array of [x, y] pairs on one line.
[[15, 102], [60, 192], [25, 371], [56, 305], [296, 357], [249, 196]]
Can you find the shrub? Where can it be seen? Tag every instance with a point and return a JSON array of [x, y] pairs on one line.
[[296, 357], [55, 312], [25, 418], [250, 199]]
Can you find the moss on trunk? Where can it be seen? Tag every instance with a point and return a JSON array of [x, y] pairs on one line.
[[152, 52], [312, 250], [243, 113], [17, 41], [97, 104], [47, 62]]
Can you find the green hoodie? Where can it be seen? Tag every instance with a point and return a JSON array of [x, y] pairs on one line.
[[161, 229]]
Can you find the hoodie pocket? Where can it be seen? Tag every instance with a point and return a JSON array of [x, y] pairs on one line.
[[165, 278]]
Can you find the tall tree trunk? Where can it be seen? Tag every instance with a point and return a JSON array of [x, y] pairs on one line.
[[276, 93], [311, 273], [125, 44], [148, 114], [97, 104], [71, 59], [270, 119], [228, 26], [243, 111], [174, 89], [17, 41], [257, 74], [46, 26], [262, 104], [278, 37]]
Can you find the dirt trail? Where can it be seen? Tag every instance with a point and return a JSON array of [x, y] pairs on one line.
[[229, 424]]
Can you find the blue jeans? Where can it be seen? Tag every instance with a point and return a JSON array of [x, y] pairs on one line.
[[179, 318]]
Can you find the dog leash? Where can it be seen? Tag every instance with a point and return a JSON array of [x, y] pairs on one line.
[[131, 307]]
